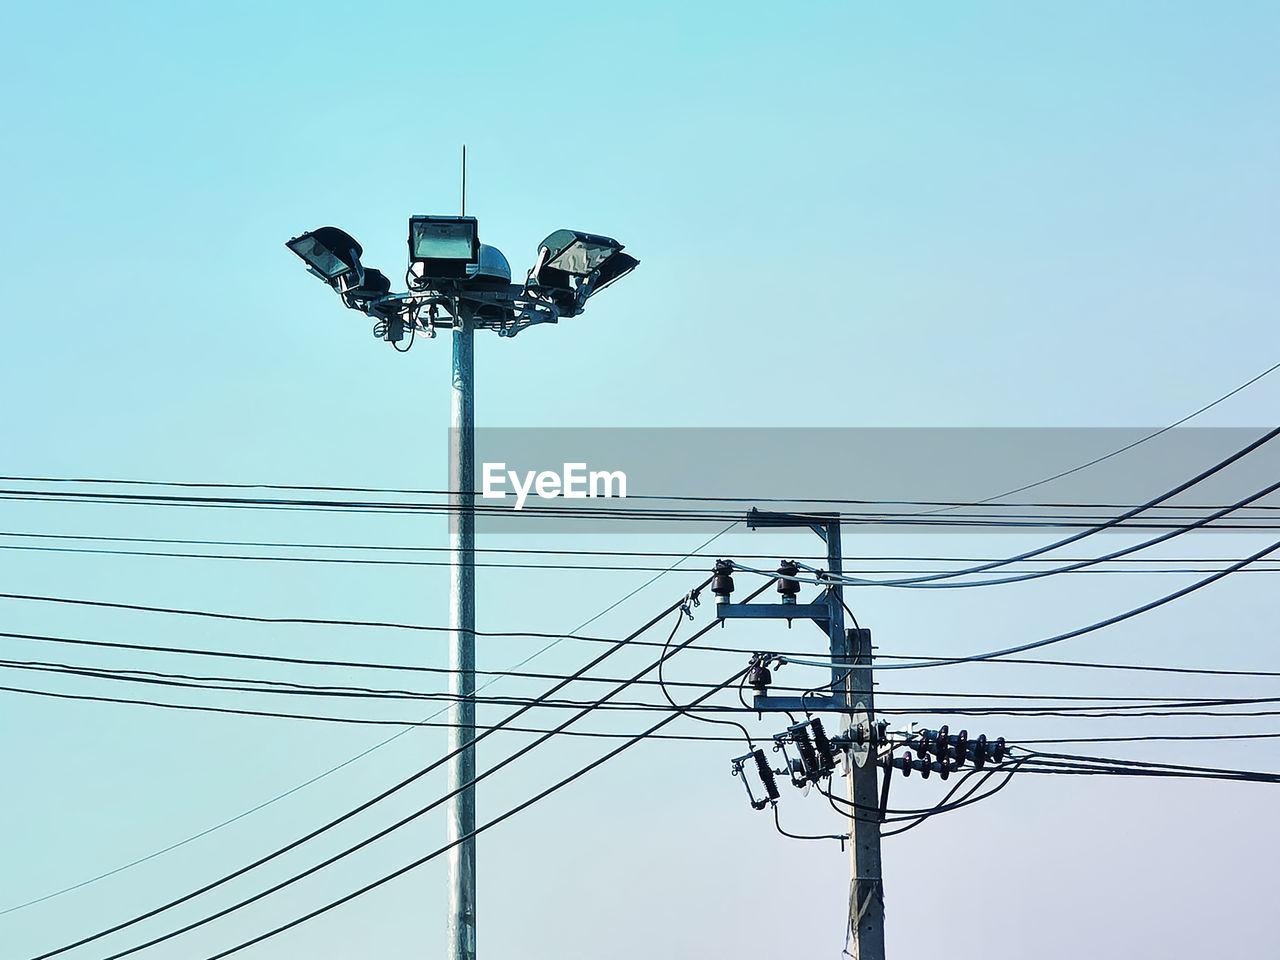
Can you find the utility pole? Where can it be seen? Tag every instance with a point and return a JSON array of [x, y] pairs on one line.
[[461, 812], [852, 697], [865, 744], [866, 884]]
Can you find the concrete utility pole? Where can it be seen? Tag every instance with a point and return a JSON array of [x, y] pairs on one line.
[[852, 690], [461, 813], [866, 885]]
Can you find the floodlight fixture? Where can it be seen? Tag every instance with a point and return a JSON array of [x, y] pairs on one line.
[[452, 274], [329, 252], [373, 285], [442, 248], [617, 266], [573, 265], [577, 253]]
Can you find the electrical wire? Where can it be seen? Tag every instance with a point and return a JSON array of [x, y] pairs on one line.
[[289, 689], [685, 710], [529, 513], [344, 664], [1135, 443], [1040, 756], [919, 816], [446, 494], [320, 776], [1082, 566], [380, 834], [1000, 496], [404, 783], [929, 581], [315, 621], [344, 817], [1156, 738], [790, 657], [486, 826], [409, 724], [1081, 631], [1109, 524], [842, 837], [1145, 668], [543, 551], [967, 800]]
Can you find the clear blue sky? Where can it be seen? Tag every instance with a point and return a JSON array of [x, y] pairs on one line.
[[848, 214]]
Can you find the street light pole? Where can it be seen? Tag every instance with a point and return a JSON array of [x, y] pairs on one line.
[[456, 281], [461, 811]]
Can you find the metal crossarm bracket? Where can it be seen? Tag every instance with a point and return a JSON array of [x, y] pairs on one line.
[[773, 611], [800, 704]]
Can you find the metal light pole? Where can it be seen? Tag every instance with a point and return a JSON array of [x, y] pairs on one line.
[[461, 811], [459, 283]]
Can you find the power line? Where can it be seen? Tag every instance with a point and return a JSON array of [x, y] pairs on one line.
[[1116, 521], [1127, 447], [533, 512], [271, 686], [400, 823], [339, 766], [1078, 566], [559, 785], [930, 581], [1081, 631], [542, 551], [512, 634], [268, 658], [603, 734], [444, 494], [358, 721], [1156, 738], [360, 808], [1061, 763], [1145, 668], [411, 491]]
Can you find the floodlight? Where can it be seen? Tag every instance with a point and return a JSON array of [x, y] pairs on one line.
[[573, 265], [328, 251], [576, 253], [441, 248], [619, 265], [373, 286]]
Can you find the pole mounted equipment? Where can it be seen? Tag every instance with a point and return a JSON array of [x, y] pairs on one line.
[[722, 581], [758, 674], [768, 779], [788, 586], [942, 752], [451, 272], [823, 747]]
